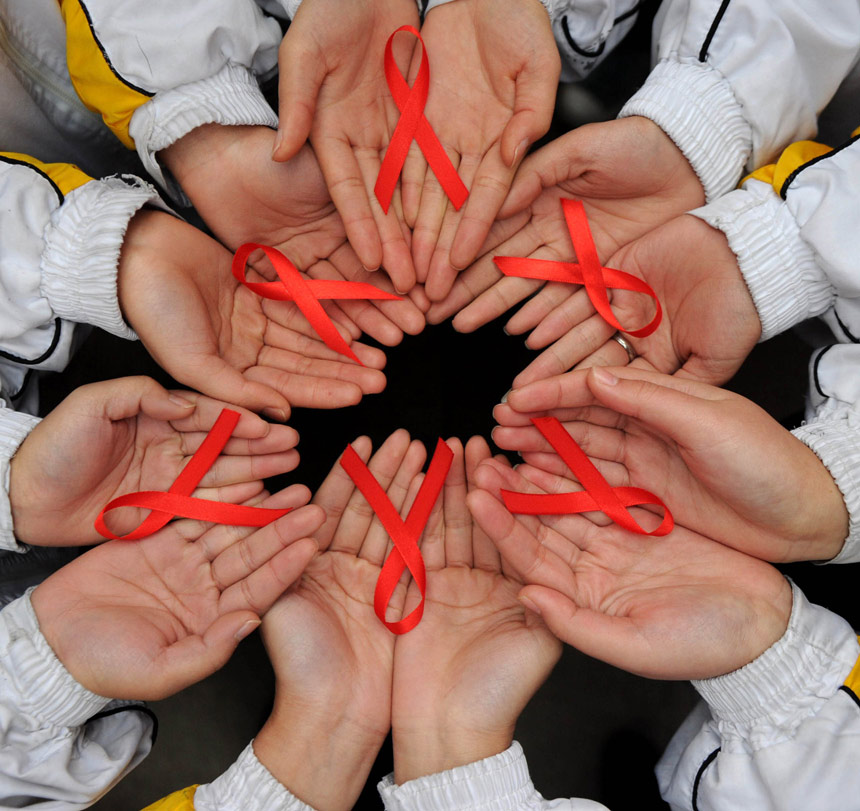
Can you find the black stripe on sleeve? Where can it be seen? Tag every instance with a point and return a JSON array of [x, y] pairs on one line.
[[594, 54], [818, 358], [141, 708], [851, 694], [707, 762], [703, 53], [106, 57], [58, 328], [790, 179], [37, 170]]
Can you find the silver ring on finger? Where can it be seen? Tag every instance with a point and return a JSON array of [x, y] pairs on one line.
[[626, 346]]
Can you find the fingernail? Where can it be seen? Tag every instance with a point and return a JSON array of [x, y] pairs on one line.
[[247, 628], [505, 330], [279, 139], [505, 396], [522, 146], [604, 375], [529, 604], [277, 414], [371, 270], [180, 401]]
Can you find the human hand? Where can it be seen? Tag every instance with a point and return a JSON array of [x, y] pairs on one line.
[[331, 654], [710, 323], [145, 619], [332, 87], [245, 196], [494, 73], [677, 607], [123, 436], [631, 178], [464, 674], [732, 472], [212, 333]]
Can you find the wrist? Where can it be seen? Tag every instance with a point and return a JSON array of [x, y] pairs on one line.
[[323, 759], [424, 749]]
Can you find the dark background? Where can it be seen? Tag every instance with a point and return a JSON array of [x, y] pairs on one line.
[[592, 730]]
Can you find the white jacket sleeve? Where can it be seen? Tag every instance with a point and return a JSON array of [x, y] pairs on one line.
[[62, 746], [14, 428], [735, 82], [780, 733], [796, 242], [498, 783], [157, 69]]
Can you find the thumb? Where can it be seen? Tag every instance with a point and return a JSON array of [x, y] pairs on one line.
[[194, 658], [129, 396], [675, 406], [533, 109], [302, 71]]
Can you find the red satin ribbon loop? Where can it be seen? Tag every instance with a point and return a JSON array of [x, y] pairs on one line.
[[588, 271], [412, 125], [598, 494], [306, 293], [404, 534], [177, 502]]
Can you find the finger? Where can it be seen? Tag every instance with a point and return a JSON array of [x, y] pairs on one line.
[[301, 71], [487, 192], [441, 274], [323, 390], [349, 193], [412, 182], [377, 540], [396, 254], [236, 469], [496, 300], [485, 556], [553, 312], [579, 343], [358, 514], [127, 397], [239, 560], [433, 538], [289, 340], [458, 519], [334, 493], [428, 224], [534, 104], [279, 439]]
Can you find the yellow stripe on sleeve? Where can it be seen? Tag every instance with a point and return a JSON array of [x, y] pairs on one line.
[[178, 801], [791, 159], [100, 87], [853, 680], [65, 176]]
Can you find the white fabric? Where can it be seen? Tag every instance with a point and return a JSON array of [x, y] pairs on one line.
[[52, 756], [777, 64], [14, 428]]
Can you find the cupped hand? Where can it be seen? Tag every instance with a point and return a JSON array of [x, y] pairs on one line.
[[145, 619], [631, 178], [245, 196], [709, 326], [728, 469], [677, 607], [212, 333], [332, 656], [333, 89], [494, 70], [126, 435], [464, 674]]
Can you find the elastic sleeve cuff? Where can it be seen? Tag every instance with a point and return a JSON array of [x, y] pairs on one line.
[[82, 247], [778, 266], [230, 97], [695, 106], [246, 786], [36, 682], [834, 437], [14, 429], [501, 781], [790, 681]]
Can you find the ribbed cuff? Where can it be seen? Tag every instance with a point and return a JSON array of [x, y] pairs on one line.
[[779, 267], [695, 106], [246, 786], [501, 781], [230, 97], [82, 248], [834, 437], [14, 429], [34, 680], [766, 700]]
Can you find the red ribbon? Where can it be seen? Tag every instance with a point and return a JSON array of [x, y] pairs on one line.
[[404, 534], [306, 293], [414, 126], [598, 494], [596, 278], [178, 502]]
